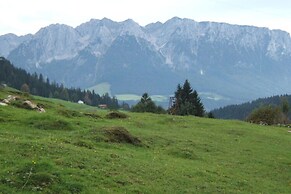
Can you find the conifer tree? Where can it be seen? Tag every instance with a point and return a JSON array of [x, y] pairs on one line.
[[187, 101], [147, 105]]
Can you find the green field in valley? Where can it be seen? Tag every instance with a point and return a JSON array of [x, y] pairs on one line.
[[73, 148]]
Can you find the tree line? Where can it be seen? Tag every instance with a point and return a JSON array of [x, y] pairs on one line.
[[243, 111], [38, 85], [186, 102]]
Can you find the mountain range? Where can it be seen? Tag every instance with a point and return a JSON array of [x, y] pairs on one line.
[[226, 64]]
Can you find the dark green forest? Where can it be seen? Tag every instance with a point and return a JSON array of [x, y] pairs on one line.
[[38, 85], [242, 111], [187, 100]]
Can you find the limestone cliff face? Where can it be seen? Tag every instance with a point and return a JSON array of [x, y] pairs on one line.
[[226, 63]]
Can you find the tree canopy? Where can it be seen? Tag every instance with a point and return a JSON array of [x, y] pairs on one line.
[[187, 101], [266, 115], [147, 105]]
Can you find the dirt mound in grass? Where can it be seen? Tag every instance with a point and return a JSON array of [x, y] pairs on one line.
[[116, 115], [92, 115], [121, 135], [69, 113]]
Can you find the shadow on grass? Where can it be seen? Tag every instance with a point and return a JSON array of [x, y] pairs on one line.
[[50, 123], [39, 177]]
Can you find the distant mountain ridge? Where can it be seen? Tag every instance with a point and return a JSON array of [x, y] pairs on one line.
[[225, 63]]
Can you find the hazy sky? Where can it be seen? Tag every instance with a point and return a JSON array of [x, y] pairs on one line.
[[28, 16]]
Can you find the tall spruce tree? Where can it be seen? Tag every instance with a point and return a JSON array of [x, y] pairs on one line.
[[187, 101]]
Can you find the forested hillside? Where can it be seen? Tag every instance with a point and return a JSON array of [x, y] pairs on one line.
[[38, 85], [241, 111]]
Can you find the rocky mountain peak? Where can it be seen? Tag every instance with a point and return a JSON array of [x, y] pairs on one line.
[[9, 42], [230, 61]]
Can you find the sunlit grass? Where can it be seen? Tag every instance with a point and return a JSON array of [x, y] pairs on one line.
[[73, 148]]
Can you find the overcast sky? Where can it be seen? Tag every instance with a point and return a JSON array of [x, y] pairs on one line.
[[28, 16]]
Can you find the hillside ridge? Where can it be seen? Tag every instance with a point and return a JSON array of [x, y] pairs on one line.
[[73, 148]]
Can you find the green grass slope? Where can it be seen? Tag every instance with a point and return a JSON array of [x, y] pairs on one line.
[[74, 148]]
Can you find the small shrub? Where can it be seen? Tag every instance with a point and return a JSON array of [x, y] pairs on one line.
[[210, 115], [116, 115], [265, 115]]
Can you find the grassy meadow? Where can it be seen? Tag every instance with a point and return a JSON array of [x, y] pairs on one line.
[[73, 148]]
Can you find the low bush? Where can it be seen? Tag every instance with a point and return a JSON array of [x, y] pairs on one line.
[[266, 115]]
